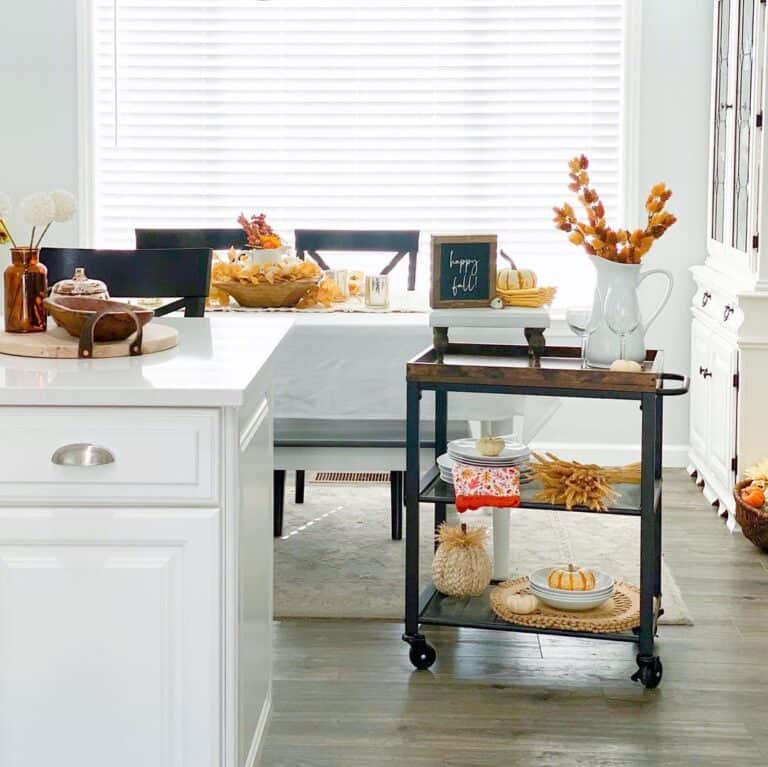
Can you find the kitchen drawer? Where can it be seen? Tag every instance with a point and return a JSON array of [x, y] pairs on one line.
[[721, 308], [159, 455]]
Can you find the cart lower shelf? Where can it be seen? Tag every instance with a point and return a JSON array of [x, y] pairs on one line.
[[437, 609]]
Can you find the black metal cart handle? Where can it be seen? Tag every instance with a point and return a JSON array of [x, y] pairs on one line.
[[663, 392]]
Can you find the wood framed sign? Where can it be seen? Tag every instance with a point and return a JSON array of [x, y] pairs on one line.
[[463, 271]]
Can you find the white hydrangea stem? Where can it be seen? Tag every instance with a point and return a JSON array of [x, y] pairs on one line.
[[40, 239], [32, 238]]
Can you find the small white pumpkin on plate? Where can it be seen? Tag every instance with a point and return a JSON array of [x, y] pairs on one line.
[[489, 446]]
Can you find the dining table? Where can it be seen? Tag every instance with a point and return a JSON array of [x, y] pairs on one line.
[[340, 368]]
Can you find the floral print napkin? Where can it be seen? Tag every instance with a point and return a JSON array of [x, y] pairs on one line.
[[477, 487]]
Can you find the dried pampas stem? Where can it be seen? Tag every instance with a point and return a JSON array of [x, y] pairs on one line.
[[577, 484]]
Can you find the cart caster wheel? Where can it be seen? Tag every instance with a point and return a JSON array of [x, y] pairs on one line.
[[649, 671], [422, 655]]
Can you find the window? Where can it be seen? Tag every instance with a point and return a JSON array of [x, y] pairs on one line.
[[442, 115]]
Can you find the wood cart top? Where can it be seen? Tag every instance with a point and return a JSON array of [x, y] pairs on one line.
[[557, 368]]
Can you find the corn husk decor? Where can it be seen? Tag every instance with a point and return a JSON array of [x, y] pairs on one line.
[[758, 472], [579, 484], [461, 566]]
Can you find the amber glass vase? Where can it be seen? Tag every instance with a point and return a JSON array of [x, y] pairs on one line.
[[26, 286]]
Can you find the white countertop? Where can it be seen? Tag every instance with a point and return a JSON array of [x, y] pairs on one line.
[[214, 365]]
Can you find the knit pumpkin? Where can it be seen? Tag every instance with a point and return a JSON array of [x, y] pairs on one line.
[[516, 279], [461, 566], [571, 578]]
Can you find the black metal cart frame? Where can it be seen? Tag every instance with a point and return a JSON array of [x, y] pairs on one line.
[[647, 389]]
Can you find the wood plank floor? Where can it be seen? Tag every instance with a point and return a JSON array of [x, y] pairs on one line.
[[346, 694]]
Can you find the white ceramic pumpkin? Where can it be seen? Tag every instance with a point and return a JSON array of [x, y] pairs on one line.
[[521, 604], [489, 445]]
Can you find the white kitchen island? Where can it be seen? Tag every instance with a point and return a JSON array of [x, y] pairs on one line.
[[136, 593]]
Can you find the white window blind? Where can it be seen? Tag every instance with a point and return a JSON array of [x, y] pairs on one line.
[[447, 116]]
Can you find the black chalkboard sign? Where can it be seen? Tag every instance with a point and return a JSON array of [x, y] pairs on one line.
[[463, 271]]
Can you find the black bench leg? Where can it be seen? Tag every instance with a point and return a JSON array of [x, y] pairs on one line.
[[300, 486], [278, 502], [396, 503]]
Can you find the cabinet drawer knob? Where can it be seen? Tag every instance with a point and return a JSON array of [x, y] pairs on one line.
[[704, 372], [82, 454], [727, 312], [705, 298]]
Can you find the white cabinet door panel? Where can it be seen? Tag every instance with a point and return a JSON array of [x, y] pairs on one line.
[[255, 583], [722, 410], [109, 651], [700, 389]]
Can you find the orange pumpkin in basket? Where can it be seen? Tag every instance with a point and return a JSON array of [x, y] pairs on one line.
[[753, 496], [571, 578]]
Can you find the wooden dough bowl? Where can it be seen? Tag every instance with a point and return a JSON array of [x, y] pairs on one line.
[[71, 313], [266, 296]]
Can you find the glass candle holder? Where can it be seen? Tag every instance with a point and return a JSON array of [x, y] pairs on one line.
[[377, 291], [341, 278]]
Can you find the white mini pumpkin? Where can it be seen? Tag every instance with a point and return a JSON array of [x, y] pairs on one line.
[[489, 446], [521, 604]]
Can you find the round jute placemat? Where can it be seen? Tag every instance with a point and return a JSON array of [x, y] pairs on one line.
[[619, 613]]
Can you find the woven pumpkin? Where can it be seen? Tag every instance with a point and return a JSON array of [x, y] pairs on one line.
[[516, 279], [571, 578], [461, 566]]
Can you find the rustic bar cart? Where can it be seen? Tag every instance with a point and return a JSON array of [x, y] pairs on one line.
[[555, 372]]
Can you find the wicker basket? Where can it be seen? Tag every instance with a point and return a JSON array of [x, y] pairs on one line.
[[753, 522], [266, 296]]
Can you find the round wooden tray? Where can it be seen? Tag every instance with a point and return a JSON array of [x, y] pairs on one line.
[[620, 613], [56, 343]]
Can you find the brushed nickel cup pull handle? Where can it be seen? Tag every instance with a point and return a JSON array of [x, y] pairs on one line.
[[82, 454]]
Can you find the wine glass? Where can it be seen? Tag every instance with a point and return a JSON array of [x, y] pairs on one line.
[[622, 313], [579, 319]]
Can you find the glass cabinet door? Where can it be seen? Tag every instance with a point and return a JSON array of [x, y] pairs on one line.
[[744, 122], [720, 127], [736, 137]]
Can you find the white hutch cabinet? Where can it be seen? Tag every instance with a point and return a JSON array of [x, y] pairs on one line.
[[729, 337]]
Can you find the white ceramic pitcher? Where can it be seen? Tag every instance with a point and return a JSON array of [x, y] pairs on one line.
[[603, 343]]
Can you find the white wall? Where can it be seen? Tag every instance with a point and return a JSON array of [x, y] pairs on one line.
[[39, 151], [38, 127], [673, 147]]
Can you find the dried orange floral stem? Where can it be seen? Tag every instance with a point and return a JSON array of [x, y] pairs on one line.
[[595, 236]]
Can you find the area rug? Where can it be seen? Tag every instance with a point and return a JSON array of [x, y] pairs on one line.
[[336, 558]]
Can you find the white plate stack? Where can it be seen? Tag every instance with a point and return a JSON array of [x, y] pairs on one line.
[[576, 601], [465, 451]]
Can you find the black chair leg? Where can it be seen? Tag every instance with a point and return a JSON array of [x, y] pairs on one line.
[[300, 486], [396, 484], [278, 502]]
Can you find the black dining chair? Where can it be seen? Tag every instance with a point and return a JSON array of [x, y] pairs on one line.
[[215, 239], [183, 274], [219, 239], [402, 243]]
